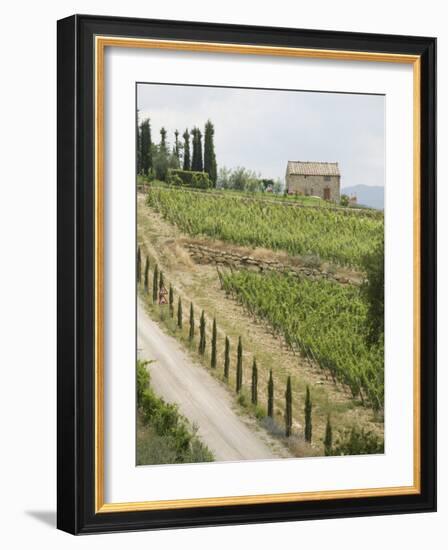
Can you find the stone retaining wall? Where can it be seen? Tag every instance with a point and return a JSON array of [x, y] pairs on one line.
[[202, 254]]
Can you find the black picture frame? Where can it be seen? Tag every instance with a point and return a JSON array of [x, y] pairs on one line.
[[75, 272]]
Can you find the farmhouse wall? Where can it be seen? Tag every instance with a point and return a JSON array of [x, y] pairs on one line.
[[314, 185]]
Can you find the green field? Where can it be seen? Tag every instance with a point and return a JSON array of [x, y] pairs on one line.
[[324, 320], [329, 234]]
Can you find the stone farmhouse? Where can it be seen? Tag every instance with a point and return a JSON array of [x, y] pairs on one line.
[[318, 179]]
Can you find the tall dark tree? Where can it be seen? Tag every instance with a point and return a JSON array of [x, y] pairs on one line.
[[155, 284], [161, 281], [146, 274], [179, 313], [176, 150], [213, 353], [254, 382], [209, 152], [145, 147], [138, 146], [308, 414], [271, 395], [187, 158], [163, 145], [239, 366], [196, 163], [139, 265], [191, 333], [328, 439], [227, 358], [202, 337], [171, 301], [288, 408]]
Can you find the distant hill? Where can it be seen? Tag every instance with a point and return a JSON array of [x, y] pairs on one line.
[[372, 196]]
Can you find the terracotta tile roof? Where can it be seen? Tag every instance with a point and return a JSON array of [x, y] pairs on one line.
[[297, 167]]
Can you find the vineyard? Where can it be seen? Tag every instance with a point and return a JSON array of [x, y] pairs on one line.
[[324, 320], [329, 234]]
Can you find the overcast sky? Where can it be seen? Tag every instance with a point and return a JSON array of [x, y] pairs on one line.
[[263, 129]]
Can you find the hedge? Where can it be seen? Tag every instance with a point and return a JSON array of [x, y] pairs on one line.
[[189, 178]]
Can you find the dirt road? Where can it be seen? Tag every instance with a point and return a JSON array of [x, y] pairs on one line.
[[200, 397]]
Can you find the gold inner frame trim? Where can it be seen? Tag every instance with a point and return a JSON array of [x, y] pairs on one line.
[[101, 42]]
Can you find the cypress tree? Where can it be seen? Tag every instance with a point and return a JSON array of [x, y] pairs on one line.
[[227, 359], [163, 146], [138, 146], [308, 421], [254, 382], [146, 274], [194, 154], [171, 301], [187, 159], [155, 284], [199, 149], [239, 366], [196, 163], [145, 147], [213, 354], [202, 339], [288, 409], [176, 145], [179, 313], [161, 281], [191, 333], [209, 152], [139, 265], [328, 439], [271, 395]]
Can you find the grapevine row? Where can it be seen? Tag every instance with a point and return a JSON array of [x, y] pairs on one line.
[[322, 319], [328, 234]]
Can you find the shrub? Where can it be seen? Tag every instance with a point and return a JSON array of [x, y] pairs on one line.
[[357, 441], [161, 165], [260, 412], [272, 427], [175, 179], [142, 379], [164, 435], [189, 178], [243, 400], [344, 201]]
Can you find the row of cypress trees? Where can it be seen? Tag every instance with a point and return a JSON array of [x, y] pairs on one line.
[[190, 154], [158, 283]]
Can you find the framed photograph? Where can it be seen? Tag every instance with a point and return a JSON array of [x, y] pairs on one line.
[[246, 274]]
